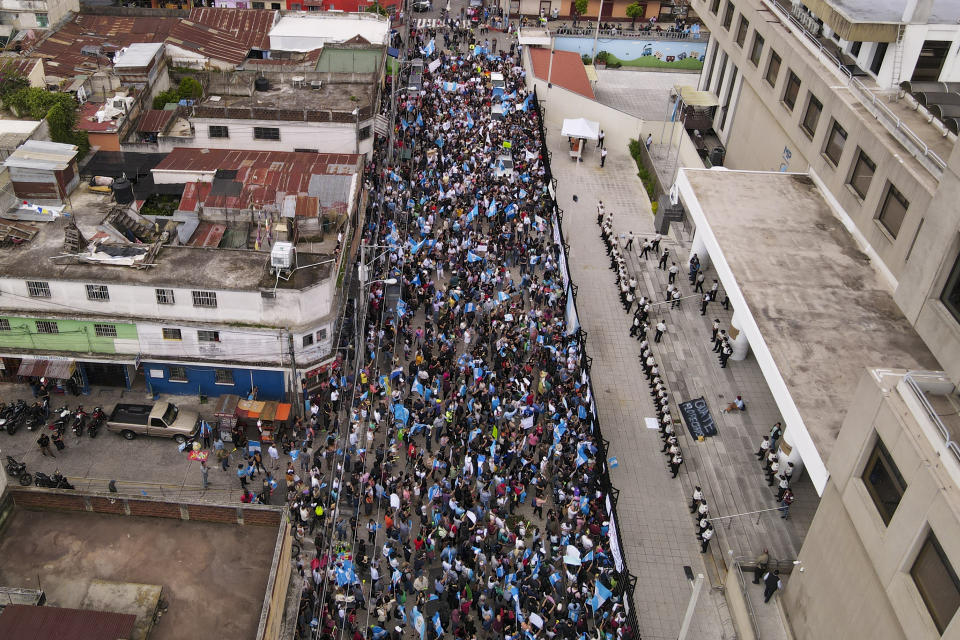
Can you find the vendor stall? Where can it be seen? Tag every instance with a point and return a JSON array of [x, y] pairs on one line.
[[225, 412], [268, 416]]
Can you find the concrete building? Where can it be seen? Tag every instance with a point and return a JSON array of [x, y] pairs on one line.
[[816, 102], [197, 300], [35, 14], [313, 30], [881, 557]]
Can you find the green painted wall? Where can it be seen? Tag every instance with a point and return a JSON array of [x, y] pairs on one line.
[[73, 335]]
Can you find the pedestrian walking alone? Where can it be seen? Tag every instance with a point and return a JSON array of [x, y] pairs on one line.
[[772, 584], [661, 328], [44, 443], [603, 157]]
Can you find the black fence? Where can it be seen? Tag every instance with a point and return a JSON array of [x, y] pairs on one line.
[[627, 582]]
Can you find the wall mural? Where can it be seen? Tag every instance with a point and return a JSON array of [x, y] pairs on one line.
[[664, 54]]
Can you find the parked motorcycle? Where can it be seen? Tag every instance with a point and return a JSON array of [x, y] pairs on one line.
[[18, 470], [97, 418], [16, 417], [79, 421], [56, 481], [59, 423], [35, 414]]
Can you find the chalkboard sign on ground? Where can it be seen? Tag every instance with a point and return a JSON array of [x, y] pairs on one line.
[[696, 414]]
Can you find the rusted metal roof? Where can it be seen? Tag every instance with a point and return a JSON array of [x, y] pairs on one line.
[[55, 623], [267, 177], [155, 121], [208, 234], [250, 26]]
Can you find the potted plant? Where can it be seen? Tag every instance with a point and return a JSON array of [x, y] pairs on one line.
[[601, 60]]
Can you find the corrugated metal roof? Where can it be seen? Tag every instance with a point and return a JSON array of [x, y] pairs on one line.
[[250, 26], [49, 156], [155, 120], [55, 623], [267, 177]]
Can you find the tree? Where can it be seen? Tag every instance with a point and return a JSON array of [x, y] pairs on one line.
[[580, 6], [635, 10], [376, 7], [59, 109], [11, 81], [190, 88]]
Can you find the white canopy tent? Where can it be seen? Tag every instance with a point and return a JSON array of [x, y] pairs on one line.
[[581, 128]]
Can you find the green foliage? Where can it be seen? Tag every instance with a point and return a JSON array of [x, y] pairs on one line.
[[10, 81], [60, 110], [160, 205], [190, 88], [614, 65], [376, 7], [586, 59], [581, 6], [603, 57], [648, 179], [635, 10]]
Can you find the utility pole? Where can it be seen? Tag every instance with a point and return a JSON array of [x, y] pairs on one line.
[[296, 376], [691, 607], [596, 33]]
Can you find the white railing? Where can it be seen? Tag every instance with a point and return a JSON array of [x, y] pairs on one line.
[[911, 379], [919, 149]]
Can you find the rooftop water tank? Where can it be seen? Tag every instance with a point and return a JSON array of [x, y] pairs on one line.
[[281, 256], [122, 191]]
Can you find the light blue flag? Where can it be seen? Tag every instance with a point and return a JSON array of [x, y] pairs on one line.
[[469, 121], [492, 209], [472, 257], [473, 213], [419, 623], [440, 142], [419, 120], [436, 623], [418, 387], [430, 48], [510, 211], [401, 308], [600, 595], [581, 453], [401, 413], [470, 308]]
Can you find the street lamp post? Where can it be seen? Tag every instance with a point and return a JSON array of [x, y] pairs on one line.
[[692, 604], [596, 32]]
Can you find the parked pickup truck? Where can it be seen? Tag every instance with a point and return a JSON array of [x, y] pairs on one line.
[[163, 419]]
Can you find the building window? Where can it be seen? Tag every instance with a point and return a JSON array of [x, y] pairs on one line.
[[365, 132], [178, 374], [38, 289], [171, 334], [812, 116], [937, 582], [98, 292], [878, 55], [862, 175], [266, 133], [47, 326], [728, 15], [275, 6], [206, 299], [710, 66], [893, 211], [792, 91], [743, 27], [725, 109], [307, 340], [4, 324], [757, 50], [835, 141], [219, 131], [43, 21], [223, 376], [773, 69], [714, 6], [254, 5], [884, 482], [105, 330], [208, 336], [321, 335], [855, 49], [165, 296], [951, 291]]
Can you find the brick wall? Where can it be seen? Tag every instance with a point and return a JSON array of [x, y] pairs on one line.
[[45, 500]]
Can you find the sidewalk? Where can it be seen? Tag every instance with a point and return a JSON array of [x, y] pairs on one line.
[[652, 505]]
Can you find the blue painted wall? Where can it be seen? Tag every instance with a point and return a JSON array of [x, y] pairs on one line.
[[631, 49], [201, 380]]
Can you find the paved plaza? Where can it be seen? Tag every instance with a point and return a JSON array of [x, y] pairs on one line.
[[644, 94], [652, 507]]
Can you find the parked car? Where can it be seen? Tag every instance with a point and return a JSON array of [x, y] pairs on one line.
[[163, 419], [422, 5]]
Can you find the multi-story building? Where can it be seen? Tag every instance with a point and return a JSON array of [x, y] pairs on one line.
[[237, 288], [34, 14], [841, 90]]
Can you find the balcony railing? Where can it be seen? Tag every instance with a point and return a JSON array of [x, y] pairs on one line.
[[914, 380], [638, 34], [869, 98]]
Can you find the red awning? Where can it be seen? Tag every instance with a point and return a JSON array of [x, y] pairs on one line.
[[38, 368]]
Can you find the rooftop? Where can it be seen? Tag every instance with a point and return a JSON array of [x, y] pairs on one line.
[[288, 92], [942, 12], [57, 623], [307, 31], [87, 119], [67, 549], [138, 54], [568, 70], [175, 266], [822, 313], [46, 156]]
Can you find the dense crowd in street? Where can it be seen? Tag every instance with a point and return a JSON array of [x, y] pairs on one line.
[[452, 484]]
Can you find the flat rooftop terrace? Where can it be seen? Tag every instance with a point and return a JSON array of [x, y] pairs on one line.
[[44, 257], [284, 96], [821, 309], [214, 576]]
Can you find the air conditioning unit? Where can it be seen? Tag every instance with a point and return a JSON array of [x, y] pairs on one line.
[[316, 84], [281, 256]]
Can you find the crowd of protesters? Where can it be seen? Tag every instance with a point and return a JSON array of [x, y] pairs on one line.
[[451, 483]]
